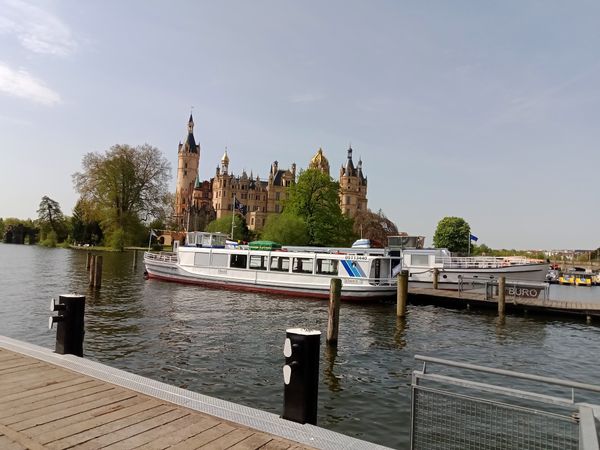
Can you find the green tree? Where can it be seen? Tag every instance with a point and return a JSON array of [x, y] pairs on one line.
[[126, 185], [85, 224], [51, 218], [286, 229], [315, 199], [452, 233], [223, 225], [2, 228]]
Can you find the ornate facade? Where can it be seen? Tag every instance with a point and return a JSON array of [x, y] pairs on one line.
[[257, 197], [353, 187], [188, 161], [197, 202]]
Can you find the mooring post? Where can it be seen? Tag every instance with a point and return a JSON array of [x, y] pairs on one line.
[[436, 274], [501, 295], [134, 258], [333, 322], [402, 293], [92, 269], [301, 375], [98, 272], [88, 261], [70, 328]]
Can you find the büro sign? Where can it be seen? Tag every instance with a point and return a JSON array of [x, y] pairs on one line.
[[523, 292]]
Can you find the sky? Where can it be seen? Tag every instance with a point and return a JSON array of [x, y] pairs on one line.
[[482, 110]]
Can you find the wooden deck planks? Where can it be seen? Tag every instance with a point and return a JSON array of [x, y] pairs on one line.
[[43, 406]]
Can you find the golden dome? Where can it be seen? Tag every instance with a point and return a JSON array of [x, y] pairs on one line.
[[225, 158], [320, 162]]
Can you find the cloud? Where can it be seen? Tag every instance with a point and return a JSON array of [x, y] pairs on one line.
[[19, 83], [36, 29]]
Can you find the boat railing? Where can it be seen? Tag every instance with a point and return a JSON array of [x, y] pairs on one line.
[[169, 257], [481, 262]]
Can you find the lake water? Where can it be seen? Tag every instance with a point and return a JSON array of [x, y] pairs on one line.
[[230, 344]]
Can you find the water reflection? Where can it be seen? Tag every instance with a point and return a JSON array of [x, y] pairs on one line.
[[332, 381]]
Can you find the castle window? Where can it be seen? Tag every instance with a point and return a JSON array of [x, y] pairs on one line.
[[185, 166], [276, 208], [184, 173], [276, 195], [252, 221]]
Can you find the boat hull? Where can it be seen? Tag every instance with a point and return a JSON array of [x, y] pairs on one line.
[[257, 282], [450, 278]]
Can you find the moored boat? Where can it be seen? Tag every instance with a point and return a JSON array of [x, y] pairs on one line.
[[422, 264], [207, 260]]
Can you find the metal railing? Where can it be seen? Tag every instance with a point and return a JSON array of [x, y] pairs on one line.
[[482, 262], [454, 412], [169, 257], [514, 289]]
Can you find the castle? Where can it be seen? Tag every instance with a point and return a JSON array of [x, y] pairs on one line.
[[197, 202]]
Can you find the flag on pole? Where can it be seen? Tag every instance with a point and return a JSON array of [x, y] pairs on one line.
[[239, 207], [473, 237], [152, 233]]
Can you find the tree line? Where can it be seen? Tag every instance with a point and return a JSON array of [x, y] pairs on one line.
[[123, 194]]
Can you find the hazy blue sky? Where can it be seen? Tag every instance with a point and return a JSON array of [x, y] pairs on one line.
[[483, 110]]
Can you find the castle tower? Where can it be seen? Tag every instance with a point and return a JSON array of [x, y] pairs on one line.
[[188, 161], [319, 162], [353, 187]]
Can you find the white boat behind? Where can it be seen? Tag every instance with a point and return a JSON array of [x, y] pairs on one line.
[[422, 264]]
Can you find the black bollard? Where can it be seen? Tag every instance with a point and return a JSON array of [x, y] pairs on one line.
[[69, 331], [301, 375]]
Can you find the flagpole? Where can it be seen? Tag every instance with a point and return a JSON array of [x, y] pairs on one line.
[[469, 252], [232, 216], [150, 239]]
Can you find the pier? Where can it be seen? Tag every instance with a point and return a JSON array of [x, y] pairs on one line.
[[462, 299], [57, 401]]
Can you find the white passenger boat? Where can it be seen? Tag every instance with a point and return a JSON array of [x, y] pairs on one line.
[[207, 260], [451, 270]]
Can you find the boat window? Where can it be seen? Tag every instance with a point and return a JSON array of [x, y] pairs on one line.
[[419, 260], [219, 260], [327, 266], [280, 263], [202, 259], [238, 261], [303, 265], [258, 262]]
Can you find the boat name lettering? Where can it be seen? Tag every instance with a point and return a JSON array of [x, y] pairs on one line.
[[222, 271], [356, 257], [351, 281]]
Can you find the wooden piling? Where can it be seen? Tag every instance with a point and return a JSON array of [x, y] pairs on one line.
[[88, 261], [98, 272], [501, 296], [135, 258], [402, 293], [436, 275], [333, 323], [92, 271]]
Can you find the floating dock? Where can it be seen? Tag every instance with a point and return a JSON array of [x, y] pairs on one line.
[[458, 299], [51, 401]]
